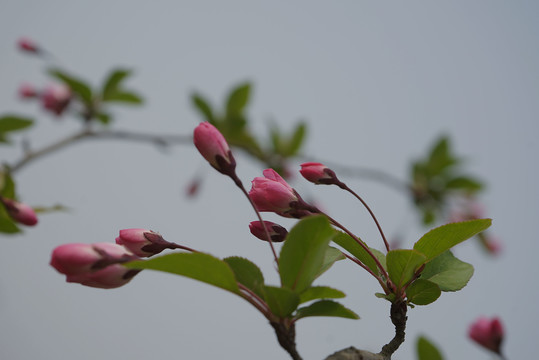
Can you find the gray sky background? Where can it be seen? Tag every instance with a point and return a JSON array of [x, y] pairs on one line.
[[377, 82]]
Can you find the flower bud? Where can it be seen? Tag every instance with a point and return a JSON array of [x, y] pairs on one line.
[[28, 45], [487, 333], [112, 276], [272, 193], [55, 98], [141, 242], [213, 147], [276, 232], [20, 212], [318, 173], [27, 91]]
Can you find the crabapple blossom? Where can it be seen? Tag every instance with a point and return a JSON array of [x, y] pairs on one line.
[[20, 212], [213, 147], [55, 98], [276, 232], [142, 242], [487, 333]]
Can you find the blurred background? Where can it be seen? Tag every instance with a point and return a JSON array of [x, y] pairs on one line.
[[377, 83]]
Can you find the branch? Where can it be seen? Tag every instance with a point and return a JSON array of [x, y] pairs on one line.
[[162, 140]]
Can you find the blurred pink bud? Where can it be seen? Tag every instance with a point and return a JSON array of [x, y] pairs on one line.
[[77, 259], [318, 173], [142, 242], [487, 333], [112, 276], [20, 212], [26, 44], [193, 187], [213, 147], [55, 98], [276, 232], [27, 91]]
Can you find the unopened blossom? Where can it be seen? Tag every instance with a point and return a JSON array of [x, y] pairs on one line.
[[272, 193], [28, 45], [95, 265], [213, 147], [55, 98], [487, 333], [20, 212], [318, 173], [142, 242], [27, 91], [276, 232]]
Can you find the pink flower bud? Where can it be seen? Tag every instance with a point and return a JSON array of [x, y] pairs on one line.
[[112, 276], [55, 98], [76, 259], [20, 212], [213, 147], [27, 91], [318, 173], [487, 333], [276, 232], [272, 193], [28, 45], [141, 242]]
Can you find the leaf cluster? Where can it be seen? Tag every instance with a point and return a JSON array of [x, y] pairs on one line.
[[437, 177]]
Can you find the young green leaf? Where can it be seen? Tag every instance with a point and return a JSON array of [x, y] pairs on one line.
[[332, 255], [296, 140], [402, 265], [7, 186], [302, 255], [426, 350], [320, 292], [422, 292], [14, 123], [203, 106], [326, 308], [281, 301], [113, 81], [247, 274], [349, 244], [443, 238], [8, 226], [464, 183], [198, 266], [448, 272], [238, 99], [124, 97], [78, 86]]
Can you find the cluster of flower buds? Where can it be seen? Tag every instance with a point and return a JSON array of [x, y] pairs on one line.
[[54, 98], [95, 265], [19, 212], [487, 333], [99, 265]]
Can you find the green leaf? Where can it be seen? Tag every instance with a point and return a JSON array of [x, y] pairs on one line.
[[198, 266], [448, 272], [78, 86], [426, 350], [443, 238], [320, 292], [464, 183], [332, 255], [238, 99], [203, 106], [422, 292], [247, 273], [326, 308], [112, 83], [296, 140], [302, 255], [8, 226], [388, 297], [124, 97], [402, 265], [53, 208], [440, 157], [7, 186], [104, 118], [14, 123], [349, 244], [281, 301]]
